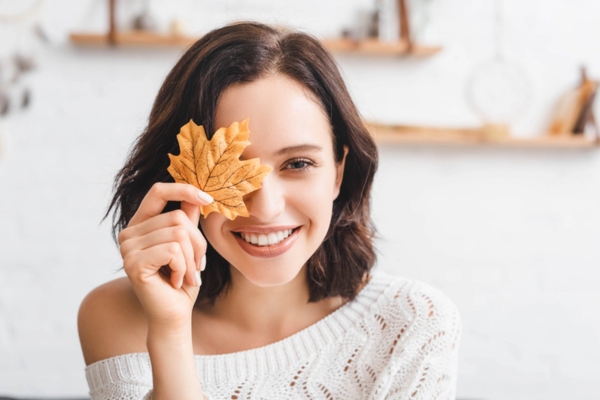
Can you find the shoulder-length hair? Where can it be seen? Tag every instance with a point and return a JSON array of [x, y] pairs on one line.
[[241, 53]]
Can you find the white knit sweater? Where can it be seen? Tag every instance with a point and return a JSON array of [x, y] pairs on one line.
[[398, 339]]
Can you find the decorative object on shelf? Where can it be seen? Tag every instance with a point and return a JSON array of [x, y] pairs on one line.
[[178, 27], [387, 21], [499, 90], [389, 33], [422, 30], [144, 21], [575, 110]]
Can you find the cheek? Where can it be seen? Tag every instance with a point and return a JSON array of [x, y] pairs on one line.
[[212, 228], [315, 196]]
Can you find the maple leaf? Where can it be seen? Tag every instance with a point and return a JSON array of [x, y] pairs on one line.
[[214, 166]]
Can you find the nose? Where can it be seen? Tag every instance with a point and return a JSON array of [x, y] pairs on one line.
[[268, 202]]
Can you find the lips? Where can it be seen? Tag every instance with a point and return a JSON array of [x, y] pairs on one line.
[[261, 242]]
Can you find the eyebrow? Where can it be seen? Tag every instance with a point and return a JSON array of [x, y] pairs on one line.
[[300, 147]]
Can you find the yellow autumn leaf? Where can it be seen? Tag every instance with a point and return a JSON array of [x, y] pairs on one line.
[[214, 166]]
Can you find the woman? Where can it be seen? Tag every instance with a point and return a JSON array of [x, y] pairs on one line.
[[297, 316]]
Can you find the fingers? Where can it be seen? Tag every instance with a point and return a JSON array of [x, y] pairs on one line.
[[176, 234], [170, 219], [191, 244], [152, 240], [157, 197], [192, 211], [140, 265]]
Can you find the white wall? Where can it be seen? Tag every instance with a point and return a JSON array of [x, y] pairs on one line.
[[511, 235]]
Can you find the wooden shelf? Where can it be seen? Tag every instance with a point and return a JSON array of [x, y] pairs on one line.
[[376, 47], [132, 38], [418, 135], [143, 38]]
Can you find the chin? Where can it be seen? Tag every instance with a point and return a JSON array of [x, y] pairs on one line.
[[267, 276]]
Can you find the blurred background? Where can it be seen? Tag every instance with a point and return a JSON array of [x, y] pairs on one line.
[[488, 187]]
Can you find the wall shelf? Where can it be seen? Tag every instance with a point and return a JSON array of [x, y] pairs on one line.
[[377, 47], [131, 38], [419, 135], [144, 38]]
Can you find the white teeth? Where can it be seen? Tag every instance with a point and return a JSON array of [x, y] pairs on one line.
[[266, 239], [262, 240]]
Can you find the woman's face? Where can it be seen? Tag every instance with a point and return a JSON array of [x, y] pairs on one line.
[[290, 214]]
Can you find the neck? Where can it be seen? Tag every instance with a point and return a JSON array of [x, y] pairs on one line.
[[278, 311]]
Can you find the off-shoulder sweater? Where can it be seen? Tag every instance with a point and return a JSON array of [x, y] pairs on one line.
[[398, 339]]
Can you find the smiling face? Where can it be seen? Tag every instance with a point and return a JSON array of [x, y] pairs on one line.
[[290, 214]]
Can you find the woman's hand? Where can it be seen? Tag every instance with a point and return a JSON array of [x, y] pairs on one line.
[[153, 240]]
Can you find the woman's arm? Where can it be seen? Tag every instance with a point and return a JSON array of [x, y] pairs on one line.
[[151, 241], [173, 367]]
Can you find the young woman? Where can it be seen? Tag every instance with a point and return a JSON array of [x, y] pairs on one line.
[[286, 306]]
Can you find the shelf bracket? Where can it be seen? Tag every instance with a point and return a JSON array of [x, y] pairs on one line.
[[404, 20], [112, 25]]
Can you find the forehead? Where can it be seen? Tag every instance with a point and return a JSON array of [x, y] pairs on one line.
[[281, 112]]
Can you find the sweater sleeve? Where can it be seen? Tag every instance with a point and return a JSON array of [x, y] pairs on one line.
[[128, 376], [425, 366], [125, 377]]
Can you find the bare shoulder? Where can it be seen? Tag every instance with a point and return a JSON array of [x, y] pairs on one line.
[[111, 322]]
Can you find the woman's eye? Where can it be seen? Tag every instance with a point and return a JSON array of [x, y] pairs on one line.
[[298, 165]]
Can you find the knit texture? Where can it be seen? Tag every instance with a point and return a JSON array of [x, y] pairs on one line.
[[398, 339]]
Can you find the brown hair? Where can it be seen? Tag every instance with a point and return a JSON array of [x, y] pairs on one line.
[[241, 53]]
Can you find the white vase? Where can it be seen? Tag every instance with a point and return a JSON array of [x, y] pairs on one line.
[[389, 30]]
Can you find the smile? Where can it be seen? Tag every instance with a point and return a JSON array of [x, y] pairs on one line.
[[266, 243], [269, 239]]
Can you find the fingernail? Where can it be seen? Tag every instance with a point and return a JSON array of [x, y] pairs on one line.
[[203, 263], [198, 279], [205, 197]]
